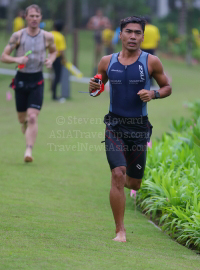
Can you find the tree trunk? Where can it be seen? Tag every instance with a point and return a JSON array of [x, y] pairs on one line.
[[69, 15], [190, 16], [85, 9], [183, 18], [162, 8], [10, 15]]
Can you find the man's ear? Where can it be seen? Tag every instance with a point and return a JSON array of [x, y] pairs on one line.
[[120, 35], [142, 37]]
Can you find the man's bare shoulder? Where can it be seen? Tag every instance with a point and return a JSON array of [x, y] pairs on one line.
[[154, 62], [106, 59], [49, 38], [153, 59], [15, 40], [104, 62], [17, 35], [48, 35]]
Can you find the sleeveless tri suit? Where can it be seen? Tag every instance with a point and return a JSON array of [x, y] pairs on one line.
[[28, 82], [127, 127]]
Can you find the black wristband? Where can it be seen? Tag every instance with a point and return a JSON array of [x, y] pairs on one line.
[[157, 94]]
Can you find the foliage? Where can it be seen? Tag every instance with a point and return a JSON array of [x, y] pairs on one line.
[[2, 23], [115, 9], [170, 192], [55, 9], [171, 189], [197, 141], [181, 125], [194, 107]]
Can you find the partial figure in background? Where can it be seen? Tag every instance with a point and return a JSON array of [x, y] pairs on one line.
[[98, 23], [151, 37], [18, 22], [30, 44], [60, 43], [108, 35]]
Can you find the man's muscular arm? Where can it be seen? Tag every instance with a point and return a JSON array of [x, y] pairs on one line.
[[160, 77], [52, 50], [90, 24], [156, 70], [102, 68], [13, 43]]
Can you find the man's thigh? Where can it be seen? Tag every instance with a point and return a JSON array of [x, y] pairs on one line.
[[114, 149], [21, 101], [136, 161], [35, 99]]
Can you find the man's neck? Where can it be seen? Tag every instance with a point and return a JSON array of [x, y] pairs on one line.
[[33, 31], [127, 54]]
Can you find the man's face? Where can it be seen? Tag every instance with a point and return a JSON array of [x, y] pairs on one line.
[[132, 36], [33, 18]]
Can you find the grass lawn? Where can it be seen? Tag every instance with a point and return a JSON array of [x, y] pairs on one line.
[[55, 212]]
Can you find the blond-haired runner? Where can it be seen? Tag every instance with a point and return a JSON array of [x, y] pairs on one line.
[[28, 82]]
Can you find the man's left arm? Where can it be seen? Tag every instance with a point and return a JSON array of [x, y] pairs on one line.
[[156, 70], [52, 50]]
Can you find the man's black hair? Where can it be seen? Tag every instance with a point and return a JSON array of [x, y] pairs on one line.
[[58, 25], [148, 19], [133, 19]]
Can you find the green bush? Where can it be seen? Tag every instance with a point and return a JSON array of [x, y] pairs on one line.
[[170, 191], [194, 107], [48, 25], [181, 125], [196, 54], [196, 134], [3, 23]]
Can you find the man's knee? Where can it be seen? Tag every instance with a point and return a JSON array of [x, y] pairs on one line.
[[32, 118], [134, 183], [22, 118], [119, 177]]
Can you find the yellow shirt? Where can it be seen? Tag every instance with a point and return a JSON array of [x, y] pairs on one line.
[[59, 41], [196, 36], [151, 37], [107, 36], [18, 24]]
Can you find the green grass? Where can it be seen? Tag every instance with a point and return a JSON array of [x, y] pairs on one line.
[[55, 213], [185, 82]]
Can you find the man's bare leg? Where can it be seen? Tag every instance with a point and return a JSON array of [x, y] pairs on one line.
[[118, 200], [31, 133], [22, 120], [132, 183]]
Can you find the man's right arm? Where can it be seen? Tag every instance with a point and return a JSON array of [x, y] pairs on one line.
[[90, 24], [102, 68], [13, 43]]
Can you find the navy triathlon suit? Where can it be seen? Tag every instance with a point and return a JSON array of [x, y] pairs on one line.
[[127, 127]]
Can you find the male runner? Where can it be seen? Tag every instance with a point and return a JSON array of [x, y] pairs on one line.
[[98, 23], [127, 125], [28, 82]]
